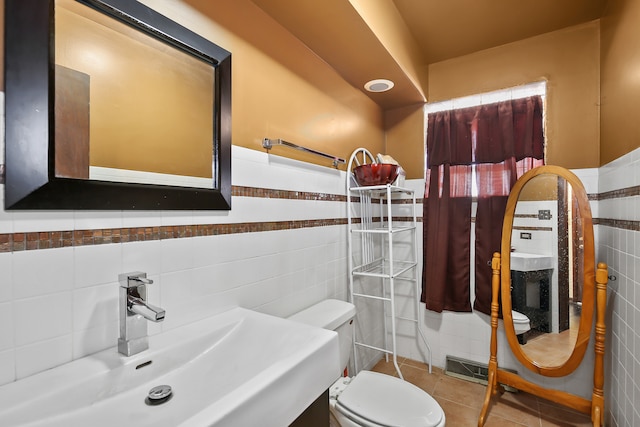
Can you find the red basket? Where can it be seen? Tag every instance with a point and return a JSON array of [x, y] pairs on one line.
[[376, 174]]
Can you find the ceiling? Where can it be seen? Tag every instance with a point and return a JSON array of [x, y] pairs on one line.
[[399, 38], [447, 29]]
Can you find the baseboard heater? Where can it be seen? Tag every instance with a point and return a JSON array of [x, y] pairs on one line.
[[471, 371]]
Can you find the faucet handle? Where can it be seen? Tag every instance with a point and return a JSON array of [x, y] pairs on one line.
[[133, 279], [150, 312]]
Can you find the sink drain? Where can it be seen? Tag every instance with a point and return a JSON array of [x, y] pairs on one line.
[[159, 395]]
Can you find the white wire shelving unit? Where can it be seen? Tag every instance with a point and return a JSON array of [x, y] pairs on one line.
[[373, 236]]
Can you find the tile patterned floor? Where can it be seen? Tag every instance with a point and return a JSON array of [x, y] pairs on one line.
[[462, 400], [553, 349]]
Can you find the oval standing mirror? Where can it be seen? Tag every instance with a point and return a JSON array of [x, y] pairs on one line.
[[546, 281], [547, 275]]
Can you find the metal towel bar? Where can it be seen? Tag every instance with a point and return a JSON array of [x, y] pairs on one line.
[[270, 143]]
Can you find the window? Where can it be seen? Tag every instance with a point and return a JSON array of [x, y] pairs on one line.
[[477, 147], [524, 91]]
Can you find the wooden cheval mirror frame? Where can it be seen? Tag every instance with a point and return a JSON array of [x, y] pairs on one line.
[[594, 293]]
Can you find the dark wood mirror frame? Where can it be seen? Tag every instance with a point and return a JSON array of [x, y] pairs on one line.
[[30, 181], [594, 296]]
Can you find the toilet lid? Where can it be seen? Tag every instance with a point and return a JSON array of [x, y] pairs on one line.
[[388, 401], [519, 317]]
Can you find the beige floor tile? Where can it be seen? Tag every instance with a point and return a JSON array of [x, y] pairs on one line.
[[387, 367], [493, 421], [457, 390], [419, 365], [462, 400], [420, 377], [458, 414], [562, 423], [520, 408], [554, 415]]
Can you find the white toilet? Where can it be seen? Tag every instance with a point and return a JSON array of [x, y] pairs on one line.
[[369, 399], [520, 322]]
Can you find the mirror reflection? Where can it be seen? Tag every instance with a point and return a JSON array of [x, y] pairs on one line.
[[547, 269], [128, 106]]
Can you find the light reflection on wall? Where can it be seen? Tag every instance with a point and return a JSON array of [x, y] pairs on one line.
[[151, 106]]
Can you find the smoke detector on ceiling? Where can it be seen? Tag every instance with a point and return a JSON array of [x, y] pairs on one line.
[[378, 85]]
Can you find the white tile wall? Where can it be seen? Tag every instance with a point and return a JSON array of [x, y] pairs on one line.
[[467, 335], [620, 249], [6, 326], [7, 366], [53, 275], [42, 318], [41, 355], [57, 305], [6, 269]]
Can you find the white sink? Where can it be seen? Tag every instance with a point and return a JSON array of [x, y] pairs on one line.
[[522, 261], [238, 368]]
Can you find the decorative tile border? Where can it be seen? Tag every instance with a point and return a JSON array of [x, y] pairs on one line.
[[268, 193], [14, 242], [525, 228], [617, 194], [619, 223], [531, 216]]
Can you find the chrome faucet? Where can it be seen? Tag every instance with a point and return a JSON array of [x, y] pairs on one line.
[[134, 313]]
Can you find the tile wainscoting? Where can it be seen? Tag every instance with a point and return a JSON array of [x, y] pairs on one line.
[[281, 248]]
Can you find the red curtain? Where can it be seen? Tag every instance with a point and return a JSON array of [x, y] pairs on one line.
[[447, 212], [503, 140]]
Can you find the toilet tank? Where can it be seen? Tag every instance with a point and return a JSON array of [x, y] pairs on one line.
[[334, 315]]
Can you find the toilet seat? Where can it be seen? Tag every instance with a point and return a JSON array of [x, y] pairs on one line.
[[519, 317], [373, 400], [521, 325]]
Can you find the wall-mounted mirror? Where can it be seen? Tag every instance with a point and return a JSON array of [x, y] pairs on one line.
[[111, 105], [547, 288]]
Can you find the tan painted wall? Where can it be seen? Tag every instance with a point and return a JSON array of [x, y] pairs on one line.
[[151, 106], [280, 89], [568, 60], [386, 23], [620, 79], [541, 187], [405, 138]]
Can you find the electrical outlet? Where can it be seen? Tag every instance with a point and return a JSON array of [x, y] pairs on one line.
[[525, 236], [544, 214]]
